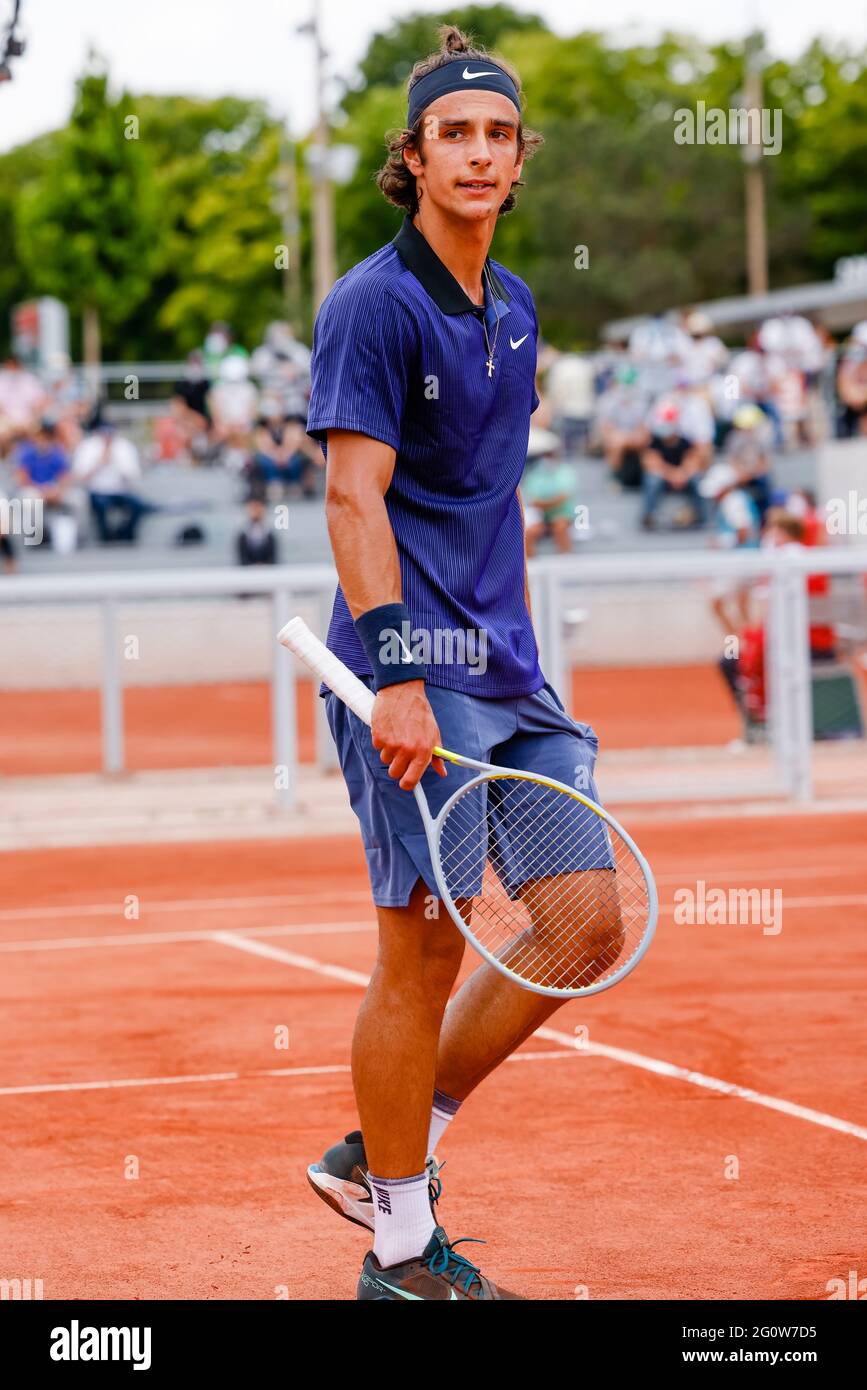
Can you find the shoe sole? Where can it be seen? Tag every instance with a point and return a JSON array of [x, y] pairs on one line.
[[349, 1199]]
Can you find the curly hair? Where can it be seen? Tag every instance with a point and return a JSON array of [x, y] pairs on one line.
[[394, 179]]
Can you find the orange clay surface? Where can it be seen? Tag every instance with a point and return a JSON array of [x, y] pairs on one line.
[[154, 1138], [229, 725]]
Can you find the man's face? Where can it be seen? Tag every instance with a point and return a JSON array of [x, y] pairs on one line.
[[468, 157]]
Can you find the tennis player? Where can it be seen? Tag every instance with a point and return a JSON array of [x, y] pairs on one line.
[[424, 361]]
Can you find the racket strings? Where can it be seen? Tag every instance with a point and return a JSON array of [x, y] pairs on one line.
[[543, 882]]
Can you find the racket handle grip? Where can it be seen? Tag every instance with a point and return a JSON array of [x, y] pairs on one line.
[[297, 637]]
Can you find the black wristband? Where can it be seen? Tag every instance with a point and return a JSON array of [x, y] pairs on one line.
[[386, 635]]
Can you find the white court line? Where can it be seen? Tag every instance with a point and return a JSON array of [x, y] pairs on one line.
[[199, 1078], [27, 914], [168, 905], [710, 1083], [77, 943], [71, 943], [260, 948], [616, 1054]]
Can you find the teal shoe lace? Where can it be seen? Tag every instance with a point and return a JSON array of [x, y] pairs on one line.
[[455, 1268], [434, 1185]]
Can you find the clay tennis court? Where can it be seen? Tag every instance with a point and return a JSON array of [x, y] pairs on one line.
[[228, 723], [156, 1137]]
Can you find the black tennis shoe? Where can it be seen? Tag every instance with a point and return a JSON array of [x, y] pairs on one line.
[[438, 1273], [340, 1179]]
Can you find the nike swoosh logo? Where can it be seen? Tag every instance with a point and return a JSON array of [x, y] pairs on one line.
[[519, 342], [468, 76], [405, 648], [402, 1293]]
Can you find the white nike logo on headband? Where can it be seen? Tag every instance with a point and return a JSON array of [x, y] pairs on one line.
[[468, 76]]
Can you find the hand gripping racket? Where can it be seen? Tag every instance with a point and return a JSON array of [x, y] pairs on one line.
[[539, 878]]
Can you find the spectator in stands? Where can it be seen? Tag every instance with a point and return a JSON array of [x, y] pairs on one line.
[[257, 544], [622, 418], [284, 454], [187, 428], [569, 385], [802, 504], [106, 466], [754, 377], [744, 672], [707, 355], [233, 404], [660, 348], [42, 473], [852, 383], [218, 342], [22, 401], [671, 463], [748, 449], [548, 489], [783, 527], [795, 356], [696, 416], [43, 466], [737, 525], [282, 366]]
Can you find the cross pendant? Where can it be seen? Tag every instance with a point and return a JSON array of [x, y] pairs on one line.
[[490, 366]]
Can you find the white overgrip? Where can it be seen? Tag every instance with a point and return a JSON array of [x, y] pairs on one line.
[[298, 639]]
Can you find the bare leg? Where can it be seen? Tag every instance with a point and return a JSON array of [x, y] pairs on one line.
[[394, 1046], [561, 531], [490, 1015]]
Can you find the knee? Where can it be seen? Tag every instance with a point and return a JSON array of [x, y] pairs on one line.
[[427, 957]]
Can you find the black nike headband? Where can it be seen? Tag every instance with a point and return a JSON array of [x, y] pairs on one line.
[[459, 75]]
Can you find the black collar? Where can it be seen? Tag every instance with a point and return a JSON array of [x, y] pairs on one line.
[[420, 258]]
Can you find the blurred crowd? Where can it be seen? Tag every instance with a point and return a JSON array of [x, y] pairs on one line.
[[242, 412], [660, 406], [690, 425], [245, 412]]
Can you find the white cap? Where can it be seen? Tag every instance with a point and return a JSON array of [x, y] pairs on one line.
[[717, 479]]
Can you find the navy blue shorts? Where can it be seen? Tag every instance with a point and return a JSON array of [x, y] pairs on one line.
[[532, 733]]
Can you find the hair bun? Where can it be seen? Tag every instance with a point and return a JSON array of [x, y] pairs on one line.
[[452, 40]]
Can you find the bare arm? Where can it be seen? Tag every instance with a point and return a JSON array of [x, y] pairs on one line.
[[359, 472]]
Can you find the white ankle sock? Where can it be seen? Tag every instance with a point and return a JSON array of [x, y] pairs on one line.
[[403, 1219], [443, 1112]]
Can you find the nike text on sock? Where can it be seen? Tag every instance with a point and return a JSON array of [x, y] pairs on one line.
[[403, 1219], [444, 1110]]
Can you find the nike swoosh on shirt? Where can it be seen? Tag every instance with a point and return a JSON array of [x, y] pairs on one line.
[[468, 76], [519, 342]]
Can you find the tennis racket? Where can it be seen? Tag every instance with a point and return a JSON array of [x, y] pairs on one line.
[[541, 880]]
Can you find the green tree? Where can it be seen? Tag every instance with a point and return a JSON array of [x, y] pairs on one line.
[[85, 233], [391, 53]]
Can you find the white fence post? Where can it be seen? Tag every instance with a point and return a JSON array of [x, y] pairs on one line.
[[800, 686], [778, 675], [112, 692]]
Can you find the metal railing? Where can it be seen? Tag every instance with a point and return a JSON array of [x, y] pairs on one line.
[[788, 651]]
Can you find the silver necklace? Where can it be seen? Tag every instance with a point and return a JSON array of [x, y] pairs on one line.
[[490, 346]]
